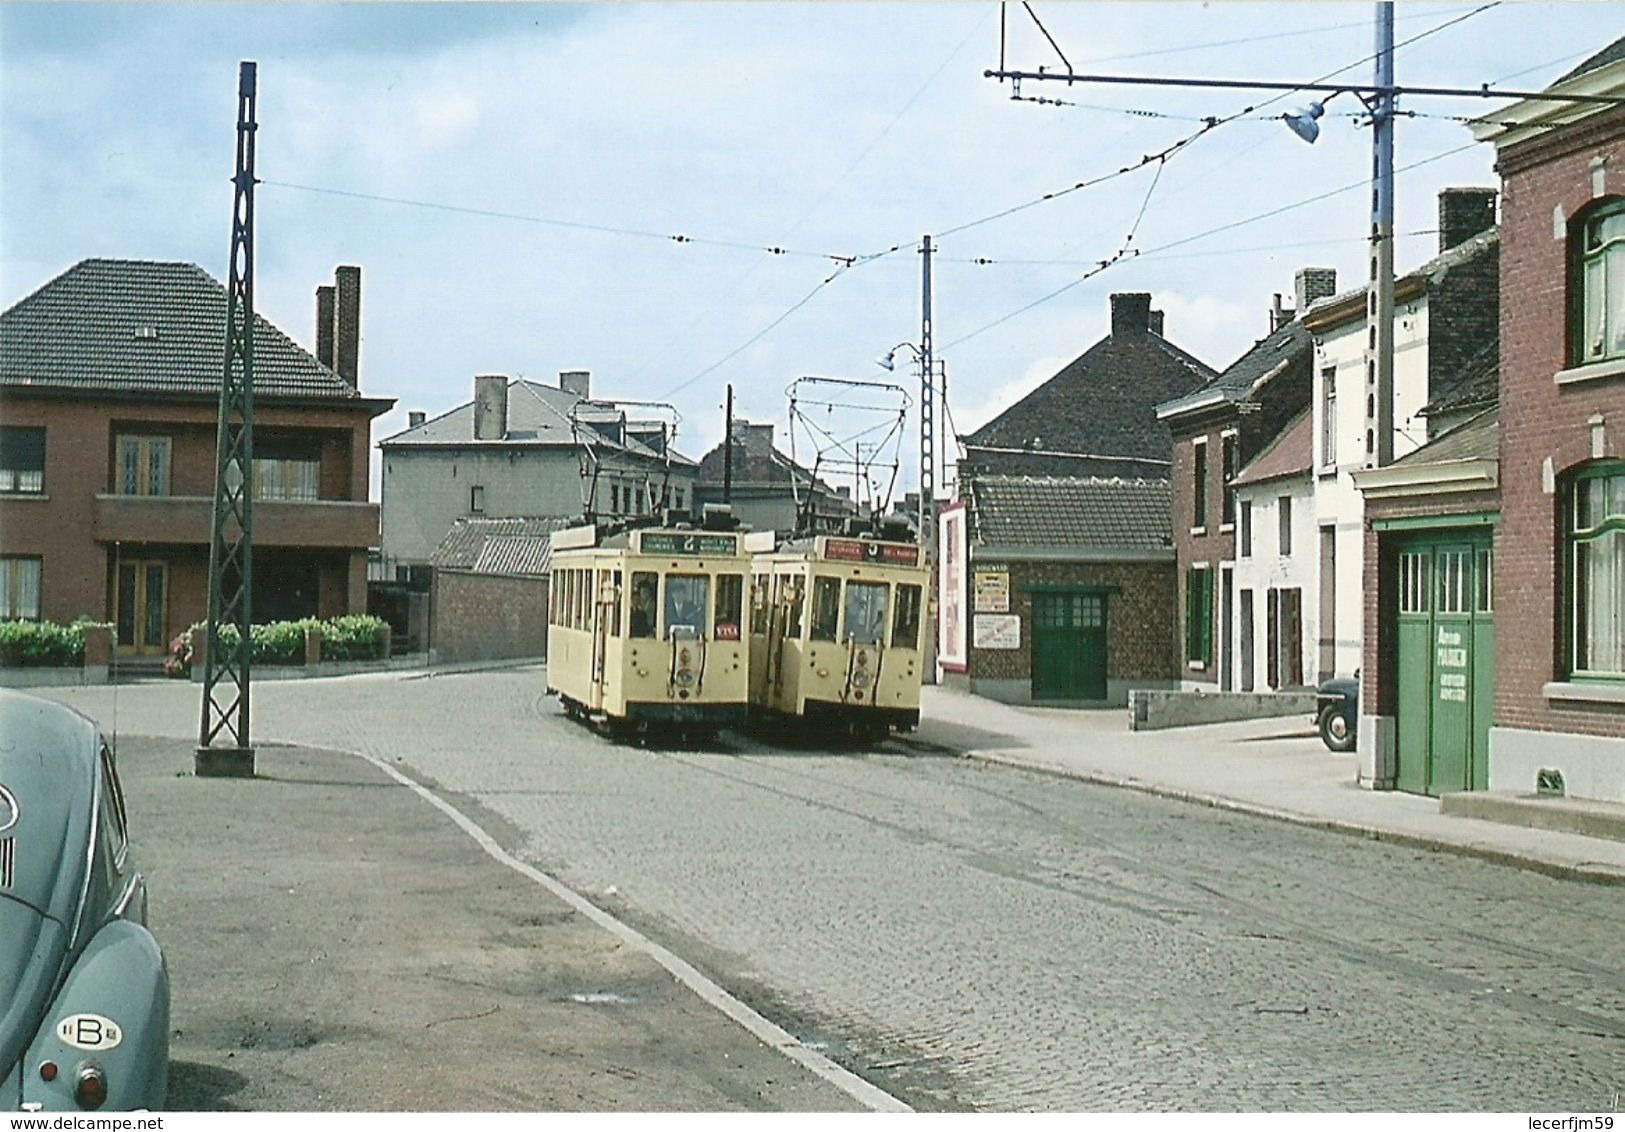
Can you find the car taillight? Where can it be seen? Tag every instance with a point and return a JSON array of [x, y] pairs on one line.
[[89, 1086]]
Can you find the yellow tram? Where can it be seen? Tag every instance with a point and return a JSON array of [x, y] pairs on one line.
[[836, 633], [645, 627]]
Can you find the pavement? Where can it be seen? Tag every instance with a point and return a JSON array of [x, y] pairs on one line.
[[1271, 768]]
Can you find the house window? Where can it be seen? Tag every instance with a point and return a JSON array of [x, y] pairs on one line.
[[1283, 508], [19, 589], [476, 499], [1597, 571], [1602, 286], [143, 465], [1199, 617], [1328, 416], [1199, 486], [1246, 539], [614, 499], [22, 460], [276, 479], [678, 495], [1227, 455]]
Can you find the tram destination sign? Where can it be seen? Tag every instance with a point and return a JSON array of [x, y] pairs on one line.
[[661, 542], [862, 550]]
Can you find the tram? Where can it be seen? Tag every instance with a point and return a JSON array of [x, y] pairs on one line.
[[645, 628], [836, 633]]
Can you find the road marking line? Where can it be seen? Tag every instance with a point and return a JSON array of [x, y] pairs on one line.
[[768, 1033]]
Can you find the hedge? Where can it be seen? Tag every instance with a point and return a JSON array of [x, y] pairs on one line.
[[43, 644], [356, 637]]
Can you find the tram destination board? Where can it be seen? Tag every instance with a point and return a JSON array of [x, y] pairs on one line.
[[859, 550], [660, 542]]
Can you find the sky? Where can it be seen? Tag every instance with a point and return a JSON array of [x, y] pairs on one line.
[[513, 178]]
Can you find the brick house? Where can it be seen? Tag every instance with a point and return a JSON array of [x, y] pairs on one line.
[[521, 449], [490, 589], [1216, 430], [109, 394], [1068, 558], [769, 488], [1559, 582]]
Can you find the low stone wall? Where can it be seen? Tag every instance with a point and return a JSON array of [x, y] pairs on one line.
[[53, 677], [1154, 710]]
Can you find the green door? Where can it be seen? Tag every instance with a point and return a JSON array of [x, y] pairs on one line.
[[1069, 646], [1446, 639]]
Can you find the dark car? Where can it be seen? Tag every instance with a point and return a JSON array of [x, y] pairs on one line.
[[1339, 708], [84, 992]]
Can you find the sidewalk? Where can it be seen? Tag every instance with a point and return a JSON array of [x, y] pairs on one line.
[[1273, 768]]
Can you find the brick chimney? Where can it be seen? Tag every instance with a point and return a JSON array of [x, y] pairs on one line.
[[1280, 315], [1131, 312], [490, 406], [755, 439], [1463, 214], [1313, 283], [577, 381], [347, 324], [324, 325], [1156, 323], [415, 418]]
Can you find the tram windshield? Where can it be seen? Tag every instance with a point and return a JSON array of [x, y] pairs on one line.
[[866, 612], [687, 598], [730, 603], [644, 604], [826, 608], [905, 632]]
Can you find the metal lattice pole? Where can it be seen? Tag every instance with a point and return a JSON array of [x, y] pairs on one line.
[[928, 408], [231, 550]]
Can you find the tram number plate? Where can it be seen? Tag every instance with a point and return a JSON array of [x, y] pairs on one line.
[[856, 550], [654, 543]]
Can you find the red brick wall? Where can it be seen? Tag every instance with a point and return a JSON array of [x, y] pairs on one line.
[[1541, 420], [1212, 547], [485, 617], [1137, 624]]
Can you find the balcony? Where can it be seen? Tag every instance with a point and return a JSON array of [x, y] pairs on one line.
[[186, 519]]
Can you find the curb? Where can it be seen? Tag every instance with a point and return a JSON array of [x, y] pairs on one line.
[[1600, 875]]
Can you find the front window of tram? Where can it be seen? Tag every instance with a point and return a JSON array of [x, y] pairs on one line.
[[688, 596], [866, 612]]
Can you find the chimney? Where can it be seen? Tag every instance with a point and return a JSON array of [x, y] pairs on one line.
[[1131, 313], [1156, 323], [756, 439], [324, 325], [347, 324], [1463, 214], [1313, 283], [490, 406], [1280, 315], [415, 418], [577, 381]]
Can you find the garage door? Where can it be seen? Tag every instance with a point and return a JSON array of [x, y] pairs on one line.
[[1446, 677], [1069, 646]]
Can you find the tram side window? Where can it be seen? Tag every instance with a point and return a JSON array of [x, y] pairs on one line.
[[643, 604], [615, 603], [866, 611], [758, 604], [795, 600], [687, 596], [826, 608], [905, 633], [730, 602]]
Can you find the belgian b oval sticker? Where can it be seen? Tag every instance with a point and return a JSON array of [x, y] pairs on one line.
[[89, 1031]]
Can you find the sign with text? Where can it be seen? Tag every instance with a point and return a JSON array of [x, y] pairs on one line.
[[863, 550], [991, 589], [666, 542], [996, 631], [953, 548]]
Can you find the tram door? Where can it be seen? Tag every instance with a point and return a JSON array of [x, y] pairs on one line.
[[605, 623]]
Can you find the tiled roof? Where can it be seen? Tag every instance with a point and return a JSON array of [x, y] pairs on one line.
[[1291, 453], [538, 416], [1476, 384], [133, 325], [758, 469], [1265, 358], [1476, 439], [1613, 53], [1431, 274], [1070, 512], [1102, 403], [497, 546]]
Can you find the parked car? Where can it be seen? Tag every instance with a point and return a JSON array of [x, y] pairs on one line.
[[1335, 718], [84, 991]]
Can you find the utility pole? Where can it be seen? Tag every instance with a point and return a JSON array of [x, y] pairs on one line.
[[1380, 313], [231, 554], [928, 409], [728, 449]]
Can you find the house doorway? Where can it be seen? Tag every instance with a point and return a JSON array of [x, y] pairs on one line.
[[142, 607], [1069, 646]]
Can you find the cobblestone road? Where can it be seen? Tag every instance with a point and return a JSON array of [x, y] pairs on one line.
[[974, 936]]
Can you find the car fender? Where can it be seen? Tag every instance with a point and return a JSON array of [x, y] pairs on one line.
[[121, 978]]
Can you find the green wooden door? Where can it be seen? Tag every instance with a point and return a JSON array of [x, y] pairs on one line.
[[1446, 656], [1069, 646]]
